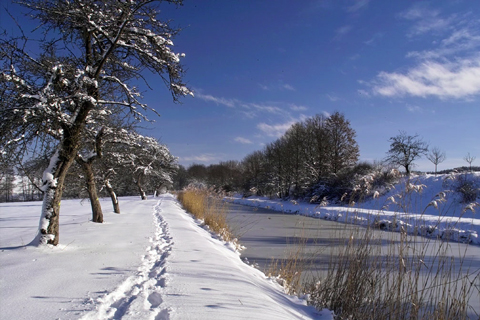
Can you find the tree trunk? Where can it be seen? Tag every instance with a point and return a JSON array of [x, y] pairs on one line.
[[113, 196], [54, 178], [97, 214], [138, 182]]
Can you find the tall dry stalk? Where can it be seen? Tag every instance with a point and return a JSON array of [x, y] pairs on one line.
[[289, 270], [404, 277], [205, 205]]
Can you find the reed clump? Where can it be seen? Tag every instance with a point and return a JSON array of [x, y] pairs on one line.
[[207, 205], [375, 275], [408, 281], [398, 277], [289, 271]]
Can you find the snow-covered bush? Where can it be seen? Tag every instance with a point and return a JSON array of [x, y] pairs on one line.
[[466, 185], [355, 184]]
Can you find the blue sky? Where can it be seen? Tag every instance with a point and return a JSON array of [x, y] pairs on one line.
[[258, 66]]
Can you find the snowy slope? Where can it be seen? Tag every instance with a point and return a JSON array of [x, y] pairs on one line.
[[152, 261], [412, 204]]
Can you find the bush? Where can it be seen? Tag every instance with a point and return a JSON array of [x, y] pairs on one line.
[[354, 184], [466, 185]]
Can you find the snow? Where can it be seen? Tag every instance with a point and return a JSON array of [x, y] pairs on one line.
[[423, 205], [153, 261]]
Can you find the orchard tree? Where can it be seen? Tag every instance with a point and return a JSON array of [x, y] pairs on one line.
[[405, 149], [85, 161], [148, 159], [436, 156], [90, 53]]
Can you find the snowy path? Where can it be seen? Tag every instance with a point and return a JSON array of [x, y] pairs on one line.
[[140, 296], [187, 274], [65, 281]]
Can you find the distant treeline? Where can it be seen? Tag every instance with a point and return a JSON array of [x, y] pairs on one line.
[[315, 157]]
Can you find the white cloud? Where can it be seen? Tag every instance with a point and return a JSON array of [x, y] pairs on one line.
[[342, 31], [257, 107], [332, 97], [226, 102], [276, 130], [414, 109], [363, 93], [251, 110], [458, 79], [354, 57], [271, 87], [243, 140], [460, 41], [358, 5], [425, 20], [206, 157], [298, 108], [374, 39], [449, 69]]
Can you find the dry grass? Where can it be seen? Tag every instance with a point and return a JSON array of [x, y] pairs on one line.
[[207, 206], [288, 271], [407, 282], [400, 276], [405, 277]]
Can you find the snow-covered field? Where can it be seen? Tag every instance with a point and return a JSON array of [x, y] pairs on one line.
[[423, 205], [152, 261]]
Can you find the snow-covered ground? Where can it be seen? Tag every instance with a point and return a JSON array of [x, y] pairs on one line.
[[423, 205], [152, 261]]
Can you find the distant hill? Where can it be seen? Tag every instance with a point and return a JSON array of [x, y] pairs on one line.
[[459, 169]]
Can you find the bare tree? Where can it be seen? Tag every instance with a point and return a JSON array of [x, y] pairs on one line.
[[344, 151], [469, 159], [405, 149], [91, 49], [436, 156]]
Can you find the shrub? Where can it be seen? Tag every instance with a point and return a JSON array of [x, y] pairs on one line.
[[466, 185], [354, 184]]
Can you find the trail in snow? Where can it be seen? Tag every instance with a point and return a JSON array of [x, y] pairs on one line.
[[188, 274], [140, 296]]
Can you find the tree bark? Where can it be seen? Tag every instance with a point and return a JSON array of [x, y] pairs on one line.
[[54, 178], [87, 166], [97, 214], [113, 196], [138, 182]]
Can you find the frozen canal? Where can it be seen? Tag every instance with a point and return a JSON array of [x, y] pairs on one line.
[[269, 235]]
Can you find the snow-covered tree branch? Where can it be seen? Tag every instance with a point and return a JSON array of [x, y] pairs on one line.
[[90, 53]]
